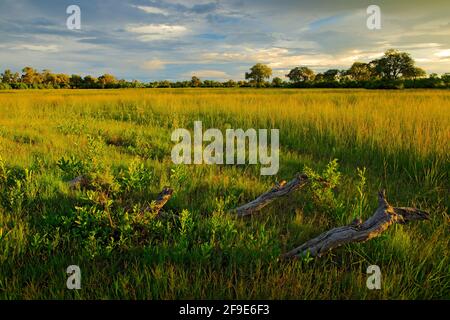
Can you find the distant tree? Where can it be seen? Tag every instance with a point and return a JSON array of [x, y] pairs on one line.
[[446, 79], [319, 77], [243, 84], [48, 78], [30, 76], [331, 75], [9, 77], [164, 84], [195, 82], [217, 84], [414, 73], [301, 74], [90, 82], [230, 84], [258, 73], [63, 80], [107, 81], [277, 82], [393, 64], [4, 86], [185, 84], [359, 71], [135, 84], [76, 81], [212, 84]]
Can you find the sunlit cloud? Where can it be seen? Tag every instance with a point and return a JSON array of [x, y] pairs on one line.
[[443, 53], [40, 48], [153, 32], [209, 74], [153, 65], [156, 40], [152, 10]]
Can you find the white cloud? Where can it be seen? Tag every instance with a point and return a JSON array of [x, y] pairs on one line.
[[155, 64], [188, 3], [279, 58], [209, 74], [246, 55], [152, 10], [40, 48], [443, 53], [151, 32]]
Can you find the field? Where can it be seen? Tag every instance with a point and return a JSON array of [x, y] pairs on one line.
[[120, 139]]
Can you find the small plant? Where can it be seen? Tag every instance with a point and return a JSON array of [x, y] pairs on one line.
[[322, 188], [17, 188], [178, 175], [95, 153], [361, 200], [136, 178], [72, 167], [307, 258], [4, 171]]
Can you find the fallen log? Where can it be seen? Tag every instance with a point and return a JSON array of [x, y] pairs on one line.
[[358, 231], [280, 190], [160, 202], [80, 181], [155, 206]]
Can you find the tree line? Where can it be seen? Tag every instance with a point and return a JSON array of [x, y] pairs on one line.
[[394, 70]]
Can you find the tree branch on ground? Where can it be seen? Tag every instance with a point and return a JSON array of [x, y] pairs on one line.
[[359, 231]]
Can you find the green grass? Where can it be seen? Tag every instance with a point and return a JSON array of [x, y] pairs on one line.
[[120, 140]]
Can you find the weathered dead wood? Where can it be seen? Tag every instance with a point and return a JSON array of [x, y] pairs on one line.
[[79, 181], [156, 205], [280, 190], [359, 231]]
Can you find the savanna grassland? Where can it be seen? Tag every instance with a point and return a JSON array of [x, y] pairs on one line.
[[120, 139]]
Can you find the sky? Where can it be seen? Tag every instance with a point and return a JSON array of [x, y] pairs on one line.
[[219, 40]]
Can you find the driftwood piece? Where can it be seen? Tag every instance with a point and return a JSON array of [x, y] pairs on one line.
[[155, 206], [79, 181], [160, 201], [359, 231], [280, 190]]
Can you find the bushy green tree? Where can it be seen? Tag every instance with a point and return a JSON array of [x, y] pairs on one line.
[[258, 73], [196, 82], [393, 65], [301, 74], [277, 82], [359, 71]]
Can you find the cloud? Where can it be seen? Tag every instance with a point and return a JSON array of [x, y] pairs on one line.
[[246, 55], [443, 53], [153, 65], [177, 36], [283, 59], [152, 10], [151, 32], [40, 48], [273, 57], [209, 74]]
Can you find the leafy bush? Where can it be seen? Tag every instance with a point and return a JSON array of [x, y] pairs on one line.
[[17, 189], [322, 188], [72, 167], [136, 177], [4, 86]]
